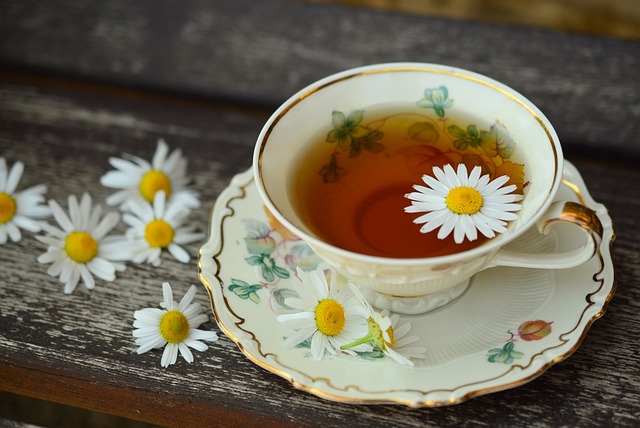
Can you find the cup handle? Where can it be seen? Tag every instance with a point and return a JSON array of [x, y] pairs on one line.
[[566, 211]]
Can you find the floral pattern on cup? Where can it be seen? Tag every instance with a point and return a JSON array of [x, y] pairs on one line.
[[353, 133]]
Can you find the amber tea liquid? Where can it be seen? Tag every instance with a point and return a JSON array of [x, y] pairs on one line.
[[349, 183]]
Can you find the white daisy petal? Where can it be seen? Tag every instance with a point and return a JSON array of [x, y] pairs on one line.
[[185, 302], [198, 346], [13, 231], [435, 185], [159, 156], [102, 268], [179, 253], [156, 342], [87, 278], [170, 355], [72, 282], [60, 216], [447, 227], [474, 176], [210, 336], [463, 176], [105, 225], [167, 296], [185, 352], [14, 177], [3, 175], [26, 223]]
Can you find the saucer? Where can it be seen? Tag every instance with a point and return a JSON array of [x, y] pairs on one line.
[[507, 327]]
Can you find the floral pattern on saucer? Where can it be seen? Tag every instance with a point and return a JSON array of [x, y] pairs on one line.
[[506, 329]]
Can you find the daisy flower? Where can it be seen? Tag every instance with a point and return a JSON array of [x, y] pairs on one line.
[[19, 209], [140, 180], [463, 203], [387, 335], [331, 318], [174, 326], [80, 248], [154, 228]]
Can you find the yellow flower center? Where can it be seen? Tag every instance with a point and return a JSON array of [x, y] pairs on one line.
[[7, 207], [153, 181], [330, 317], [159, 233], [464, 200], [174, 327], [80, 247]]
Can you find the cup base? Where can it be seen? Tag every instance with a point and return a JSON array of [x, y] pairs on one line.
[[413, 305]]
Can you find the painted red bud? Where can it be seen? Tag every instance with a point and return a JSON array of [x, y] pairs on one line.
[[534, 330]]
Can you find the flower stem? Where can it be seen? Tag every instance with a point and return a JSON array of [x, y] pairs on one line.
[[360, 341]]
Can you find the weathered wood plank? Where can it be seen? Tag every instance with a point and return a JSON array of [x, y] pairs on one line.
[[83, 342], [263, 52]]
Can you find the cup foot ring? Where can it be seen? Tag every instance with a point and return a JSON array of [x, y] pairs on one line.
[[413, 305]]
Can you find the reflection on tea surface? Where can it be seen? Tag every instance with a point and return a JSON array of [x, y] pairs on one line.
[[350, 182]]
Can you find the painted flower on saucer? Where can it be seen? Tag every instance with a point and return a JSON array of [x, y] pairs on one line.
[[158, 227], [175, 327], [139, 180], [331, 318], [388, 335], [463, 203], [19, 210], [80, 248]]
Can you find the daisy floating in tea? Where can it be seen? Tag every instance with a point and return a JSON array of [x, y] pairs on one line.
[[463, 203]]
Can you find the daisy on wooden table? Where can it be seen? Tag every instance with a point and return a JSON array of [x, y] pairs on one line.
[[139, 180], [330, 318], [463, 203], [19, 210], [80, 247], [174, 326], [158, 227]]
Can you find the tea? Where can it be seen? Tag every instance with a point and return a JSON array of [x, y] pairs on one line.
[[350, 182]]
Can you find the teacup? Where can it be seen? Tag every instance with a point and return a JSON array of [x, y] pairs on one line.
[[485, 124]]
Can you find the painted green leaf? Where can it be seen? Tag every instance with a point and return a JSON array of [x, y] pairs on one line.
[[258, 239], [281, 295], [464, 139], [497, 141], [331, 173], [245, 290], [425, 132], [301, 255], [264, 245], [504, 355]]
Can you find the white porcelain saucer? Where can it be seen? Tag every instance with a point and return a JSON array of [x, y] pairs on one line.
[[507, 328]]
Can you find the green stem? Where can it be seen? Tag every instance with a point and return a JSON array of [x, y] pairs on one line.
[[360, 341]]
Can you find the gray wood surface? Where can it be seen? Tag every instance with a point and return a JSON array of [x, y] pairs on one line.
[[81, 82], [263, 51]]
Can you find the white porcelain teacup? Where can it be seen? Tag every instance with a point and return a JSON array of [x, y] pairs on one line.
[[416, 285]]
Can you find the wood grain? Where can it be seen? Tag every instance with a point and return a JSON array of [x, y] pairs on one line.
[[262, 52]]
